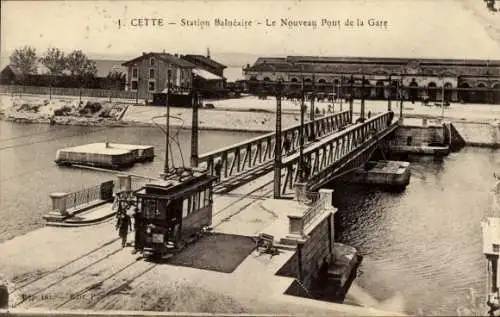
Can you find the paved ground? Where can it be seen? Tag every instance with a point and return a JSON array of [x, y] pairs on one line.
[[70, 268]]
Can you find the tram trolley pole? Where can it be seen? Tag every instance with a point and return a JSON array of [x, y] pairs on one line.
[[194, 130]]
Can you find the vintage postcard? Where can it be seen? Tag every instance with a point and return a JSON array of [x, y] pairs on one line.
[[253, 158]]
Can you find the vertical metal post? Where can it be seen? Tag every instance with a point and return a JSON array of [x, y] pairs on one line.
[[362, 97], [194, 131], [389, 95], [136, 92], [311, 112], [442, 98], [351, 96], [167, 132], [401, 97], [301, 135], [277, 144], [340, 96]]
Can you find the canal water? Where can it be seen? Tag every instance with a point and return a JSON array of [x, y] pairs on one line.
[[422, 245], [28, 173]]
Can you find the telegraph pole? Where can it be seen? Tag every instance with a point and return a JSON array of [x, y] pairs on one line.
[[194, 131], [277, 144], [167, 137], [311, 113]]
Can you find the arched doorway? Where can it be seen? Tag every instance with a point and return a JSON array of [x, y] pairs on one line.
[[481, 93], [366, 91], [448, 91], [379, 90], [496, 93], [322, 84], [464, 93], [294, 80], [393, 88], [432, 91], [413, 90]]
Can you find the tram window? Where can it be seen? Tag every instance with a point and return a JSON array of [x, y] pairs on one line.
[[198, 200], [150, 208], [207, 197], [194, 201], [185, 208]]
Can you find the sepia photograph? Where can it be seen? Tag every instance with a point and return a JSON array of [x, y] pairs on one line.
[[249, 158]]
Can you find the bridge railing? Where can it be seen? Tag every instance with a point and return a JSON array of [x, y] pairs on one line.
[[247, 155], [335, 150]]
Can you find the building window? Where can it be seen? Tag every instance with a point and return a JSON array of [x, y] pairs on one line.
[[151, 86], [134, 72], [152, 73], [152, 62], [134, 85]]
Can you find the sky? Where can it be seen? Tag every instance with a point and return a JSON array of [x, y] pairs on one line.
[[413, 28]]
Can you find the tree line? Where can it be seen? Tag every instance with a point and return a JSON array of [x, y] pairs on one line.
[[73, 70]]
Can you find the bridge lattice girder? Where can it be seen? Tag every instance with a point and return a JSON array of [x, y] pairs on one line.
[[344, 150], [258, 153]]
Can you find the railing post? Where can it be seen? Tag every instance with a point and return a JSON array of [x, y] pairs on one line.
[[300, 192], [59, 203], [123, 183], [326, 197]]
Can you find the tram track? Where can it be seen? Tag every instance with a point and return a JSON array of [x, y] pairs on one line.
[[113, 279], [30, 291], [66, 264]]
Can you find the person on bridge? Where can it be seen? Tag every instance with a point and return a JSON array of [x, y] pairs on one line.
[[287, 145], [123, 224], [218, 169]]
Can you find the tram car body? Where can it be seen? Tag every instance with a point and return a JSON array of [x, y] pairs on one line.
[[172, 212]]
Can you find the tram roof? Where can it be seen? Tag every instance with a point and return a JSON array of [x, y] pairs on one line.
[[172, 189]]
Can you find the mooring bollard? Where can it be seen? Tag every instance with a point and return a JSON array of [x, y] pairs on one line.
[[59, 202]]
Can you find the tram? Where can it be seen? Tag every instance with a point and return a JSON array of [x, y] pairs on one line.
[[172, 213]]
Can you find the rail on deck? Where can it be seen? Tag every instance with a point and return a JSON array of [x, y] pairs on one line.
[[340, 148], [244, 156]]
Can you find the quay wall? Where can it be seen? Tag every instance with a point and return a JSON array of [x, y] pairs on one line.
[[483, 134], [419, 135], [317, 250], [471, 133], [312, 252]]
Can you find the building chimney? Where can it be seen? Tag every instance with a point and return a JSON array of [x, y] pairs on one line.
[[208, 52], [163, 51], [143, 53]]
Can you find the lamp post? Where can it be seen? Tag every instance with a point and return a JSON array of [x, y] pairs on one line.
[[311, 113], [301, 134], [277, 143]]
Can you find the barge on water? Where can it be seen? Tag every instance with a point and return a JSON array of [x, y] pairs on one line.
[[393, 174], [106, 155]]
